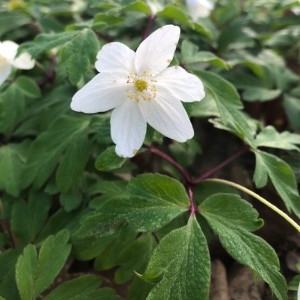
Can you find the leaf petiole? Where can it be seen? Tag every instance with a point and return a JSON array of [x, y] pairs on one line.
[[259, 198]]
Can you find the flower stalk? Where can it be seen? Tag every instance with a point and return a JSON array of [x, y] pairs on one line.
[[259, 198]]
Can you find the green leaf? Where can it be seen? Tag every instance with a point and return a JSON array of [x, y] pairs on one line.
[[108, 257], [83, 287], [47, 41], [104, 19], [134, 258], [191, 55], [231, 222], [28, 87], [138, 6], [109, 160], [8, 286], [25, 269], [108, 190], [11, 20], [230, 208], [12, 107], [181, 265], [292, 109], [236, 35], [270, 137], [47, 149], [12, 161], [8, 261], [159, 189], [70, 200], [153, 201], [282, 177], [61, 220], [79, 54], [74, 162], [229, 105], [260, 94], [175, 14], [28, 218], [34, 273], [207, 107]]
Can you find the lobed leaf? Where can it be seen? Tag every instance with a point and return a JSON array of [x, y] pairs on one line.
[[12, 161], [108, 160], [282, 177], [229, 105], [36, 271], [79, 53], [47, 149], [83, 287], [230, 208], [47, 41], [159, 188], [180, 265], [74, 162], [232, 224], [28, 218], [270, 137]]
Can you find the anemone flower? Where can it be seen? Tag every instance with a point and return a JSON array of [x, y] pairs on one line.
[[199, 8], [8, 59], [141, 88]]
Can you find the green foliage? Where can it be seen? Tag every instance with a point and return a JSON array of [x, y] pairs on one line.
[[282, 177], [182, 274], [30, 276], [232, 219], [46, 151], [108, 160], [83, 287], [28, 218], [12, 160], [70, 207]]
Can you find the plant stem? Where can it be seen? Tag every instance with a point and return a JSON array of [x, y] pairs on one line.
[[172, 162], [259, 198], [221, 165], [149, 26]]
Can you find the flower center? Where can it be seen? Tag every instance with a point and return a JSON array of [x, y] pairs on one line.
[[141, 87]]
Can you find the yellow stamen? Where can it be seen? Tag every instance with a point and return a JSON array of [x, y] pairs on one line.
[[140, 85]]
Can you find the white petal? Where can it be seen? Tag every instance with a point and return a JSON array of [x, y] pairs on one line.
[[5, 69], [180, 84], [128, 129], [115, 57], [9, 49], [169, 117], [104, 92], [24, 61], [199, 8], [156, 52]]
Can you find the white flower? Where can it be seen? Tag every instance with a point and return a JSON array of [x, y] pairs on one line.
[[199, 8], [141, 89], [8, 59], [296, 10]]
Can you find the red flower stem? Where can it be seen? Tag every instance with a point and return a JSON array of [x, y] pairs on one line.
[[189, 180], [221, 165], [172, 162], [149, 26]]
